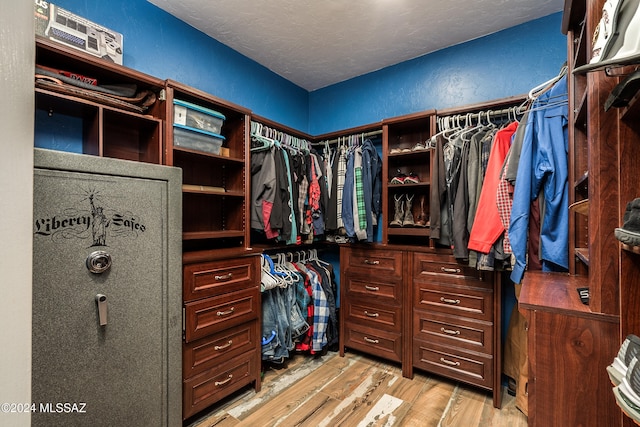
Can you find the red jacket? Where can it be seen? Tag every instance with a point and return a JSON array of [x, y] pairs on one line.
[[487, 226]]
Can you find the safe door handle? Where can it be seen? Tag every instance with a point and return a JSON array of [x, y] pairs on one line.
[[101, 302]]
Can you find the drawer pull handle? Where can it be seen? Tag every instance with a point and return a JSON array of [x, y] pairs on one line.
[[222, 347], [226, 313], [450, 270], [219, 383], [449, 362], [224, 277], [371, 314], [450, 301], [367, 339], [369, 262], [449, 331], [372, 288]]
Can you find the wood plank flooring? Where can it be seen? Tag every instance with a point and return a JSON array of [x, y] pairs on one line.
[[358, 390]]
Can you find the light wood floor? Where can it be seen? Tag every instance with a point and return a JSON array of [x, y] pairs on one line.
[[357, 390]]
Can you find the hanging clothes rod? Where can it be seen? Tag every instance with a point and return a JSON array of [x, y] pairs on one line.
[[346, 137], [259, 130], [468, 118], [481, 114]]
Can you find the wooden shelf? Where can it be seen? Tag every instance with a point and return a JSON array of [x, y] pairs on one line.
[[208, 155], [91, 122], [409, 186], [193, 235], [409, 231], [411, 153], [215, 191], [556, 292]]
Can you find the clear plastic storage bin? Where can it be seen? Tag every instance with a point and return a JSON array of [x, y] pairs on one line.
[[196, 139], [197, 117]]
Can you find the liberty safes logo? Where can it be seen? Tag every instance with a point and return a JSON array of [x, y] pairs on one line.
[[97, 222]]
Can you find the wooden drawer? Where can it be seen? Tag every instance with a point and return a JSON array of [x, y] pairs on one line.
[[374, 262], [378, 288], [445, 268], [456, 300], [453, 331], [210, 386], [453, 363], [379, 316], [216, 277], [211, 351], [374, 341], [207, 316]]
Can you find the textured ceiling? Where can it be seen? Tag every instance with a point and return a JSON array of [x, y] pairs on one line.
[[318, 43]]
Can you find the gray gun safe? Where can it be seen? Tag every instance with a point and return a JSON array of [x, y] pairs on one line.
[[107, 319]]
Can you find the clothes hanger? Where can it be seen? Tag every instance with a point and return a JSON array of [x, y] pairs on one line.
[[543, 87], [266, 143]]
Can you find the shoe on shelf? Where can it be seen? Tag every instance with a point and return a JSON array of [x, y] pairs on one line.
[[395, 150], [398, 178], [419, 146], [629, 349], [421, 219], [408, 214], [626, 393], [412, 178], [629, 233], [398, 216]]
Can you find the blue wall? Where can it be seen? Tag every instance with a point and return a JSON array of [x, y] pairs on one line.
[[499, 65], [158, 44]]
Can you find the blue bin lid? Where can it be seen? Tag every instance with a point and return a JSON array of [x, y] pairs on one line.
[[199, 108], [204, 132]]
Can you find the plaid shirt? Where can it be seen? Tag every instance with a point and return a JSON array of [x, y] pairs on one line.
[[504, 202], [320, 312], [359, 212]]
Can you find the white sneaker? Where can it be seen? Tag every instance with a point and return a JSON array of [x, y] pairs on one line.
[[629, 349], [626, 393]]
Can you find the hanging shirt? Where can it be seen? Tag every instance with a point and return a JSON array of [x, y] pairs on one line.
[[359, 211], [372, 182], [263, 188], [504, 197], [487, 226], [543, 165], [438, 189], [348, 196], [342, 171]]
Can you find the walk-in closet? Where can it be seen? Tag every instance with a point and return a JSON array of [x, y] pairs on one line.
[[345, 213]]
